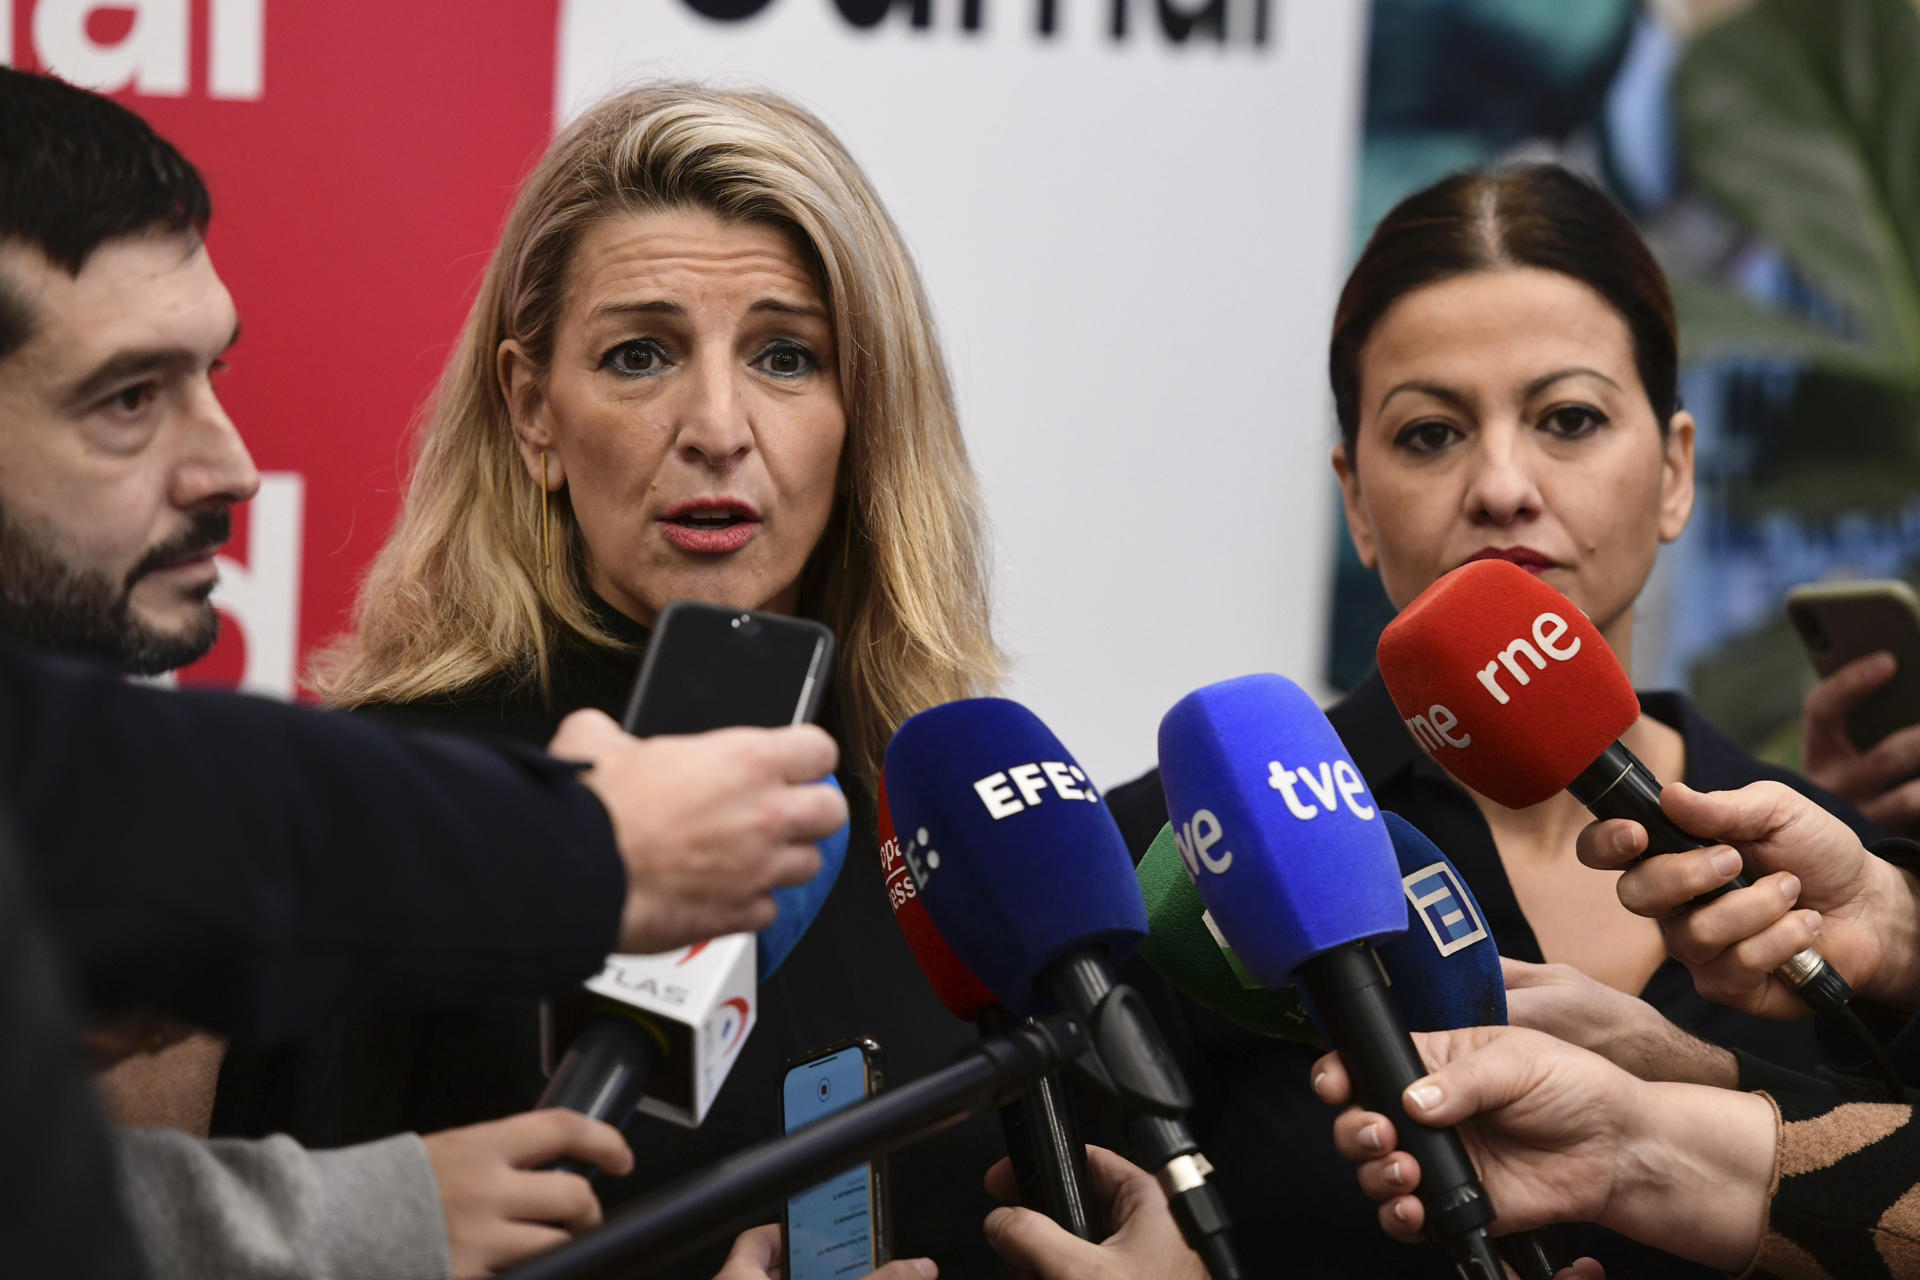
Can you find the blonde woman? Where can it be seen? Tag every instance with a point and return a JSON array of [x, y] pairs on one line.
[[700, 367]]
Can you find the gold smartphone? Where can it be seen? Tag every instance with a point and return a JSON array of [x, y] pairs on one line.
[[1838, 622]]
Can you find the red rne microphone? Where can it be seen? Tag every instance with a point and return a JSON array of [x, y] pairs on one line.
[[1049, 1161], [1505, 682], [1510, 687]]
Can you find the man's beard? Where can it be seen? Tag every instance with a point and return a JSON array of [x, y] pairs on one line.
[[48, 602]]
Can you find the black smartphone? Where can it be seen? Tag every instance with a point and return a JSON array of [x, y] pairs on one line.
[[840, 1227], [710, 667]]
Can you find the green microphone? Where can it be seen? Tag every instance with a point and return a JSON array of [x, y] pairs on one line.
[[1184, 950]]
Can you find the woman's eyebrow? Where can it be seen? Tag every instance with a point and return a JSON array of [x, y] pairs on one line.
[[1439, 391], [1546, 380], [658, 307], [779, 306]]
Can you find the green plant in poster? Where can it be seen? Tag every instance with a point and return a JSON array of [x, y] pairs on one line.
[[1801, 119]]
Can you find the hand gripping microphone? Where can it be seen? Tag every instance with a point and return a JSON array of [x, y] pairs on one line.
[[1049, 1159], [1444, 971], [1027, 878], [659, 1033], [1289, 853], [1510, 687]]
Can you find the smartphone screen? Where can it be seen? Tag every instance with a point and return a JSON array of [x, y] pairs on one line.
[[707, 667], [830, 1227]]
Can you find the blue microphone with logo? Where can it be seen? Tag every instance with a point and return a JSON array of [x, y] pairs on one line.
[[1445, 968], [1445, 971], [1297, 869], [1028, 880]]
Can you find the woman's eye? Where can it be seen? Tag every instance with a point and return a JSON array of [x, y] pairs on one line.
[[1425, 437], [635, 359], [787, 360], [1570, 422]]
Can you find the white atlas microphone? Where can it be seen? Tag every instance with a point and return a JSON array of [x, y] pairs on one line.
[[660, 1037]]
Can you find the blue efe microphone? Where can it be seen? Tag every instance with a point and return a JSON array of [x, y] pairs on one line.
[[1011, 847], [1297, 869], [1028, 880]]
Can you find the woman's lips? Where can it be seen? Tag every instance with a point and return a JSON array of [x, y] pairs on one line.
[[714, 541], [710, 526], [1526, 557]]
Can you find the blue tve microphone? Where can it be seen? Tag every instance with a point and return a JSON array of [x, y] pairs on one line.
[[1444, 969], [1297, 869], [1028, 880]]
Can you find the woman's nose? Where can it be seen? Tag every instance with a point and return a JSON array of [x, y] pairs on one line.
[[713, 426], [1502, 487]]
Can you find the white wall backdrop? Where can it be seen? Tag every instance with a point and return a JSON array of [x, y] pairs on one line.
[[1133, 245]]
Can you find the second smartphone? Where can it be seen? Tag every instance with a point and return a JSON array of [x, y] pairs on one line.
[[840, 1228]]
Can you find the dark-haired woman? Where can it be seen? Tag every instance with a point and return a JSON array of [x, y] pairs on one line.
[[1504, 369]]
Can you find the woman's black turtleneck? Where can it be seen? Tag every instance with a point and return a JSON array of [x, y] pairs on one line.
[[850, 975]]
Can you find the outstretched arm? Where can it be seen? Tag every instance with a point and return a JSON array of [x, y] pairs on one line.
[[1560, 1135]]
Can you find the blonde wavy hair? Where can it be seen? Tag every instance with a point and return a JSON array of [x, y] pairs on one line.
[[457, 598]]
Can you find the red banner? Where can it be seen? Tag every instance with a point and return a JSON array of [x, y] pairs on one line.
[[361, 155]]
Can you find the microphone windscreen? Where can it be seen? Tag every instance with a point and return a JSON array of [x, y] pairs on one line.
[[1184, 951], [958, 989], [799, 904], [1505, 682], [1445, 969], [1012, 849], [1276, 825]]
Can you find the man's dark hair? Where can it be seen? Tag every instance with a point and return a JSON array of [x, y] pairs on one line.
[[76, 170]]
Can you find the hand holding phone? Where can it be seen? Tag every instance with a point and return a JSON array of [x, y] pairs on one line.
[[664, 1041], [1860, 737], [757, 1254]]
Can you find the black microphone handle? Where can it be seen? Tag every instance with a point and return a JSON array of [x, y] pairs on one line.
[[1167, 1147], [1049, 1159], [1349, 989], [1617, 785], [603, 1075], [1132, 1062], [655, 1231]]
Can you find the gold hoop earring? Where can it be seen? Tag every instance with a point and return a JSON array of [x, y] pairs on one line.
[[546, 551]]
